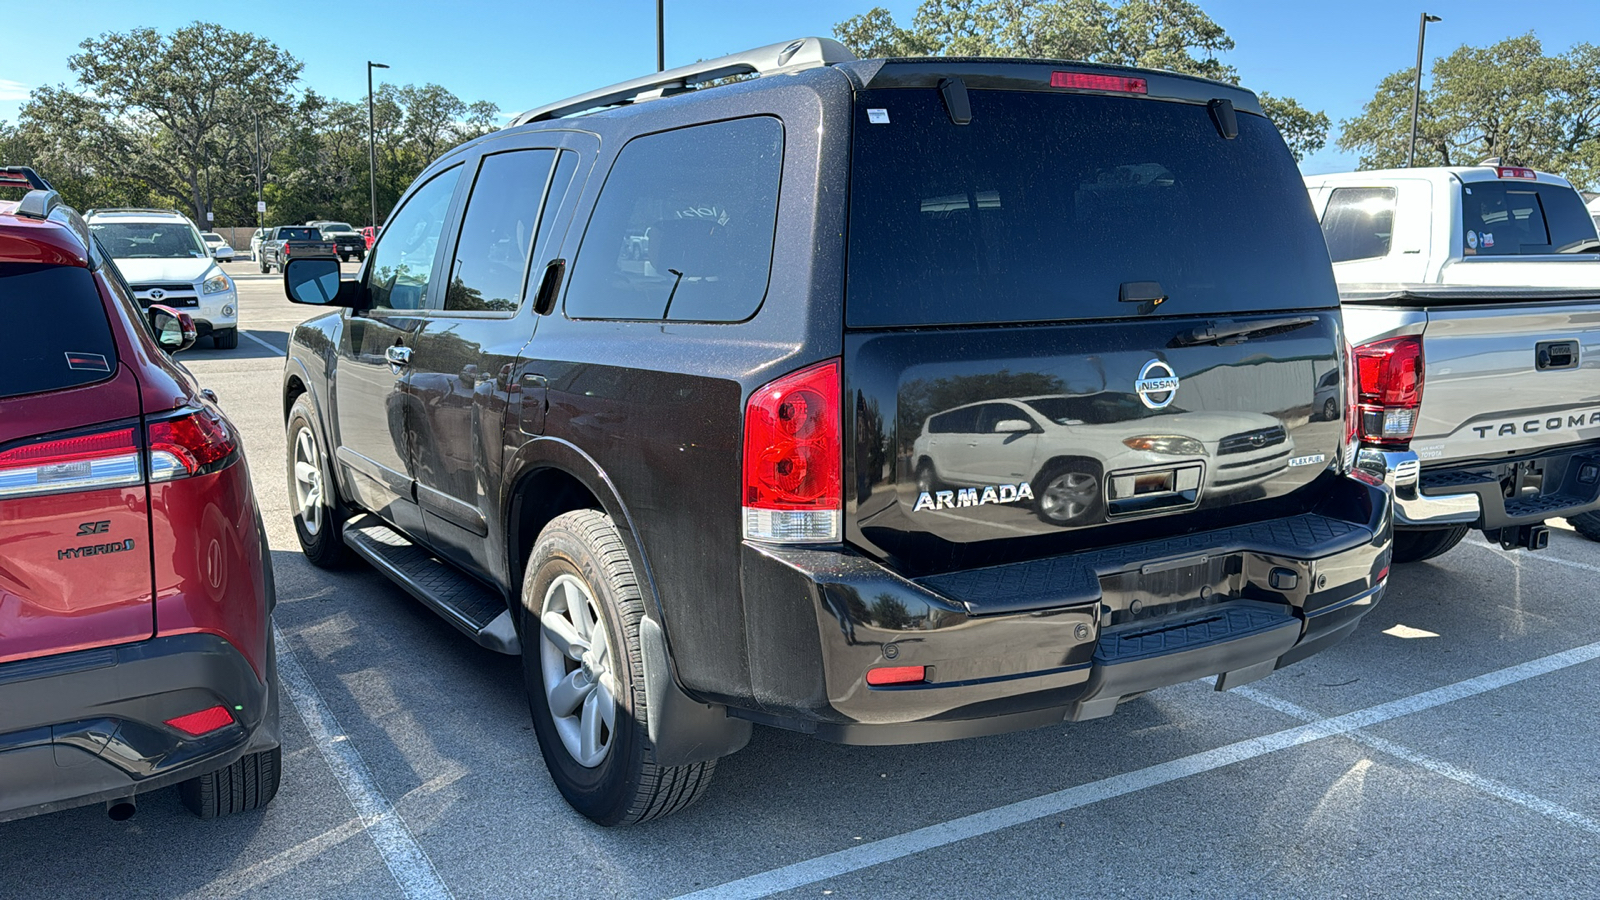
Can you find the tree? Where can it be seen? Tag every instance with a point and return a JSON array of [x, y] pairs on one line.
[[1507, 100], [1175, 35]]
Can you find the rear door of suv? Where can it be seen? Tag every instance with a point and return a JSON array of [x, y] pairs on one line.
[[1155, 291], [75, 563], [463, 373]]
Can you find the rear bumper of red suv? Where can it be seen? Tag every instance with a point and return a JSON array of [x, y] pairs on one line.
[[1064, 638], [88, 727]]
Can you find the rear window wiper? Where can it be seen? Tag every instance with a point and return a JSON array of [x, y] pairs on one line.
[[1231, 331]]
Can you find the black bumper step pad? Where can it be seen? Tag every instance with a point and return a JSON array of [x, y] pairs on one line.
[[1215, 626]]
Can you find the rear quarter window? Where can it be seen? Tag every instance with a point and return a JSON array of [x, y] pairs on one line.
[[683, 229], [70, 347], [1359, 223]]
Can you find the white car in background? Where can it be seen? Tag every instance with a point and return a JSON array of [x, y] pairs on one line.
[[160, 254], [220, 249]]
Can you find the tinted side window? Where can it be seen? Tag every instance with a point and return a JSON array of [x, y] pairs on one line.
[[491, 259], [402, 260], [683, 228], [1359, 223], [75, 349], [956, 421]]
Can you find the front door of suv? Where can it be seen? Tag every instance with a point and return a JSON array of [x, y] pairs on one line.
[[370, 386], [464, 378]]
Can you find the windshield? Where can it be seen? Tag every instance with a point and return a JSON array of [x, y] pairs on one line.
[[335, 226], [1061, 206], [150, 240], [211, 238], [1507, 218]]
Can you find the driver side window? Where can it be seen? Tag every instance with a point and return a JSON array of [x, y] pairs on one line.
[[402, 260]]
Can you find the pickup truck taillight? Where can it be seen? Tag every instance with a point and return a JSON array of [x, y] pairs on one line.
[[1389, 390], [793, 458]]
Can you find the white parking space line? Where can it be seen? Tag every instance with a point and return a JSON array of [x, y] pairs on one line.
[[262, 343], [410, 866], [886, 850], [1437, 766]]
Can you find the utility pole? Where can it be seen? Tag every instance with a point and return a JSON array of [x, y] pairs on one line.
[[1416, 92], [372, 146], [661, 35], [260, 221]]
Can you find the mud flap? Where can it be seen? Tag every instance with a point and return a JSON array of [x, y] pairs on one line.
[[682, 730]]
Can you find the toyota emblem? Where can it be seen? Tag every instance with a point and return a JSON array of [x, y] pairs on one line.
[[157, 295], [1157, 384]]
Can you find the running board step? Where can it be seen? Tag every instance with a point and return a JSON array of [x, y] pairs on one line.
[[463, 602]]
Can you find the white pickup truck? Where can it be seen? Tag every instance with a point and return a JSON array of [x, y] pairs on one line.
[[1472, 302]]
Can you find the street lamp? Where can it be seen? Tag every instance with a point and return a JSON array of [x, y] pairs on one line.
[[661, 35], [1416, 93], [372, 147]]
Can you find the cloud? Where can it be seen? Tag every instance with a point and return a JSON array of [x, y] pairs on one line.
[[12, 90]]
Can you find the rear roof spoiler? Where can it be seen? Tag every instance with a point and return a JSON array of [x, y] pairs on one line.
[[22, 176]]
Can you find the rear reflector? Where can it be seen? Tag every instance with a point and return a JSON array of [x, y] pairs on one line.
[[897, 675], [203, 722], [84, 462], [1515, 172], [1389, 390], [194, 444], [794, 458], [1084, 81]]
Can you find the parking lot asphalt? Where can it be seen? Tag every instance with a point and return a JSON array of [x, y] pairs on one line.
[[1447, 749]]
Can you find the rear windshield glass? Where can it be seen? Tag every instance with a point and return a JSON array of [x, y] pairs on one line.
[[1508, 218], [299, 234], [1047, 204], [75, 348]]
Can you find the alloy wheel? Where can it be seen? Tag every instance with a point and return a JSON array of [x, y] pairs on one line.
[[308, 491], [575, 657], [1069, 495]]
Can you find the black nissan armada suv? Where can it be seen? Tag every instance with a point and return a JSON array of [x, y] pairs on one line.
[[883, 400]]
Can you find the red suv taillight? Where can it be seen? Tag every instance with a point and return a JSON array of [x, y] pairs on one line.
[[83, 462], [1389, 390], [193, 444], [794, 458]]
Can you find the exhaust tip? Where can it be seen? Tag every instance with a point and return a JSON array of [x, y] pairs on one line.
[[121, 810]]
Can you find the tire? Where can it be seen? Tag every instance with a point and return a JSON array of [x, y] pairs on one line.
[[1586, 524], [262, 265], [343, 258], [313, 498], [579, 576], [1330, 410], [1416, 546], [250, 783], [927, 477], [1068, 492], [225, 338]]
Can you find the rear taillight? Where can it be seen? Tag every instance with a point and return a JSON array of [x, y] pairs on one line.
[[83, 462], [1389, 390], [793, 458], [192, 444]]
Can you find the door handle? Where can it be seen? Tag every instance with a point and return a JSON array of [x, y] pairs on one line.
[[398, 355]]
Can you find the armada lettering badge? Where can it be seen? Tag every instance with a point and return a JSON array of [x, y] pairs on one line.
[[1157, 386], [963, 497]]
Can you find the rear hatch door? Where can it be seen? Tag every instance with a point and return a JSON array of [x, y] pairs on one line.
[[1078, 320], [75, 564]]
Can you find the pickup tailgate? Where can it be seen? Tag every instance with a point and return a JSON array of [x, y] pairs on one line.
[[1507, 371], [1075, 321]]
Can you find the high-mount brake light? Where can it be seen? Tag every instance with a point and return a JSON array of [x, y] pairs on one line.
[[1086, 81], [194, 444], [85, 462], [1515, 172], [794, 458], [1389, 390]]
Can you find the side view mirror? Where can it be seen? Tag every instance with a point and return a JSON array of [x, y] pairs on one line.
[[1012, 426], [174, 331], [315, 281]]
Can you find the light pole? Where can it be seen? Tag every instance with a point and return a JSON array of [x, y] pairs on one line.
[[661, 35], [1416, 92], [372, 147]]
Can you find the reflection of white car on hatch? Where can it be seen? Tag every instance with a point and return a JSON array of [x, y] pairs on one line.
[[1063, 447]]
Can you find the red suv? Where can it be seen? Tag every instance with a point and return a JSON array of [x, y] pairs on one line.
[[135, 585]]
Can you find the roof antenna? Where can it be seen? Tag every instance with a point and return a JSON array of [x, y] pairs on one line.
[[954, 91], [1223, 116]]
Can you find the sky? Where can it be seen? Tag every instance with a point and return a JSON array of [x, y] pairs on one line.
[[1328, 55]]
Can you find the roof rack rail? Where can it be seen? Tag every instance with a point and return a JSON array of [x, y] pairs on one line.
[[23, 176], [132, 210], [39, 203], [773, 59]]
